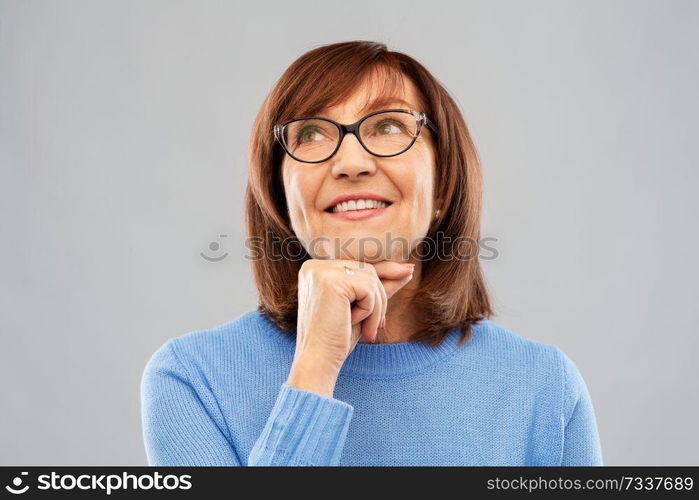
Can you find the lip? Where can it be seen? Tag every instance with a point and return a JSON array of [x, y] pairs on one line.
[[357, 196], [359, 214]]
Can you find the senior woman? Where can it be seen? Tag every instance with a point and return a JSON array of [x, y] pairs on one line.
[[372, 343]]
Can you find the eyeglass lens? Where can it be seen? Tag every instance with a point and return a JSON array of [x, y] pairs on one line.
[[385, 133]]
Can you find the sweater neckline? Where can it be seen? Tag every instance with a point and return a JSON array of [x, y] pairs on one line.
[[395, 359], [398, 358]]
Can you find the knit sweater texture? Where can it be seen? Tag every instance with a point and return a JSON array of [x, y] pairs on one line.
[[218, 396]]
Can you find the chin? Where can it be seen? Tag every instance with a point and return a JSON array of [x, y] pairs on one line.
[[360, 245], [368, 249]]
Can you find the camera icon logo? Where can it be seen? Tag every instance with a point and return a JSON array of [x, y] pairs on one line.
[[215, 246], [17, 482]]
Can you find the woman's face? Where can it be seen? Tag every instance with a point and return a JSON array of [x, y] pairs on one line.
[[405, 180]]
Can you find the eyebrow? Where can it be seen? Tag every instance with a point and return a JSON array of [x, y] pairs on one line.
[[385, 102], [381, 103]]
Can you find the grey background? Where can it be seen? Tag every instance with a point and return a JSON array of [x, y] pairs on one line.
[[123, 134]]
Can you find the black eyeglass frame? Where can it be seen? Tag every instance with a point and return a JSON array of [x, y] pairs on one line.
[[353, 128]]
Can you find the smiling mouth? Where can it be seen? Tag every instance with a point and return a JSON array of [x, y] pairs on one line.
[[358, 205]]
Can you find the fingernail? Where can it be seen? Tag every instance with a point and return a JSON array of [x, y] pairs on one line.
[[382, 323]]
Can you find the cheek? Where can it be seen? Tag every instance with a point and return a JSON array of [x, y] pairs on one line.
[[294, 197], [300, 190], [418, 188]]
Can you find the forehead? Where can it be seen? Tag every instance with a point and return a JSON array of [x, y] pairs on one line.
[[373, 94]]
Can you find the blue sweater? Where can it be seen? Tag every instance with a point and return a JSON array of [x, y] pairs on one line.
[[218, 397]]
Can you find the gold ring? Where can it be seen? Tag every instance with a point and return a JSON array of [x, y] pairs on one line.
[[348, 270]]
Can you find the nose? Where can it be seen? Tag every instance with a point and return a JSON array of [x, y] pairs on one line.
[[352, 160]]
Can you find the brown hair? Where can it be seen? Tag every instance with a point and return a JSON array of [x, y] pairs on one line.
[[452, 292]]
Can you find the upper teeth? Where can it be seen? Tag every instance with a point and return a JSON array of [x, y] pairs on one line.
[[358, 205]]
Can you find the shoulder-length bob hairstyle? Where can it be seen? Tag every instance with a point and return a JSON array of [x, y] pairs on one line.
[[452, 292]]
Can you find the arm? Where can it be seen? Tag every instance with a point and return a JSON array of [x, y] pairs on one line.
[[581, 442], [183, 425], [304, 428]]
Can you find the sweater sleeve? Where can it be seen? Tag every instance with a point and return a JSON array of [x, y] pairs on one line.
[[303, 428], [581, 441], [183, 424]]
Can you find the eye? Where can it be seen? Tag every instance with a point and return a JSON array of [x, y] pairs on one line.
[[306, 134], [388, 127]]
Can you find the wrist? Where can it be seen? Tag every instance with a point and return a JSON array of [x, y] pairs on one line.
[[313, 375]]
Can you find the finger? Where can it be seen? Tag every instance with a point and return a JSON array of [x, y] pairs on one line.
[[380, 309], [392, 286], [371, 324], [389, 269], [367, 299], [355, 265], [394, 275], [384, 305], [364, 300]]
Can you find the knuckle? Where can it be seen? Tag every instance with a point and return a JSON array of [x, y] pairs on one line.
[[307, 266]]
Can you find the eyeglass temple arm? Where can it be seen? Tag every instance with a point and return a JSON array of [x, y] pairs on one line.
[[430, 124], [276, 130]]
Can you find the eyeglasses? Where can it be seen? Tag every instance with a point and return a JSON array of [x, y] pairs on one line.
[[384, 133]]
